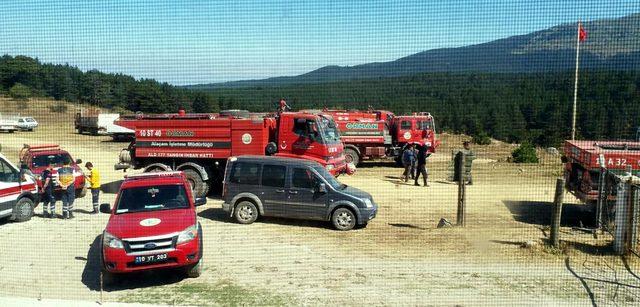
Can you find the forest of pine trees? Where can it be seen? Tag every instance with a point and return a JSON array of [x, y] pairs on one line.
[[511, 107]]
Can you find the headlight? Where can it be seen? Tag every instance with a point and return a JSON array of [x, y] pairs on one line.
[[111, 241], [367, 203], [329, 167], [188, 234]]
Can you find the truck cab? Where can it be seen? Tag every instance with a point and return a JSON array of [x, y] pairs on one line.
[[311, 135], [152, 225], [38, 157], [412, 129], [18, 192]]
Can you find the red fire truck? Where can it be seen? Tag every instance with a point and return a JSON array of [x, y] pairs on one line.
[[585, 159], [199, 144], [378, 133]]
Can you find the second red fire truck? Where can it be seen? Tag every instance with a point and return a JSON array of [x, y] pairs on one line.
[[199, 144], [378, 133]]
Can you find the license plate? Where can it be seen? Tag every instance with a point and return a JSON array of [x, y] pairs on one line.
[[150, 258]]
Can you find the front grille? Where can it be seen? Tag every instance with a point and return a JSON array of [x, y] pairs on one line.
[[144, 245]]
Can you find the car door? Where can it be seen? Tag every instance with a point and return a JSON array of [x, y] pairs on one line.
[[272, 189], [302, 197], [9, 188]]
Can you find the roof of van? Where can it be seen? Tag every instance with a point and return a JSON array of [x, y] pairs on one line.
[[281, 160]]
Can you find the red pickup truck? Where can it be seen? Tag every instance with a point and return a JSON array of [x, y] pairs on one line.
[[38, 157], [153, 225]]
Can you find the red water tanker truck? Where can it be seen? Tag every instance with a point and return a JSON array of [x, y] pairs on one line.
[[381, 134], [199, 144], [584, 161]]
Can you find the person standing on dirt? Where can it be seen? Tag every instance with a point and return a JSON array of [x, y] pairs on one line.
[[48, 199], [469, 156], [408, 161], [421, 167], [65, 177], [94, 185]]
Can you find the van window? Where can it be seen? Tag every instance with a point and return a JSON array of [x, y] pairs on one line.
[[245, 173], [273, 175], [405, 125], [302, 178]]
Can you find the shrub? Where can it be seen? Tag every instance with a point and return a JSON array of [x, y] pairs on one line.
[[20, 91], [526, 153], [58, 108], [481, 138]]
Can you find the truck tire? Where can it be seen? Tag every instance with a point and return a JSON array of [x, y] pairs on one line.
[[82, 192], [23, 210], [343, 219], [199, 186], [351, 156], [246, 212]]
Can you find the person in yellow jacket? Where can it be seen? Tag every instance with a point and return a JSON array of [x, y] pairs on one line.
[[94, 185]]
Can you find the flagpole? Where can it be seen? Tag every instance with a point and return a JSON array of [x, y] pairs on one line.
[[575, 86]]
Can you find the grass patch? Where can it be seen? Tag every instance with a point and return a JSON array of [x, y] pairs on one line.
[[224, 293]]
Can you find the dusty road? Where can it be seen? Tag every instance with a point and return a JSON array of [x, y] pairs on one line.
[[401, 258]]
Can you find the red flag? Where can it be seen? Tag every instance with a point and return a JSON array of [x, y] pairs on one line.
[[582, 34]]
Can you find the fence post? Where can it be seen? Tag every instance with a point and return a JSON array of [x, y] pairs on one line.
[[602, 197], [620, 236], [557, 212], [462, 198]]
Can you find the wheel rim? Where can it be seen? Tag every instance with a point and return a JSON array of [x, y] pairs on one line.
[[245, 213], [344, 219], [348, 158], [25, 210]]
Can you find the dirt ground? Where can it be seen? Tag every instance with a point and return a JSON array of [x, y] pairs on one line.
[[401, 258]]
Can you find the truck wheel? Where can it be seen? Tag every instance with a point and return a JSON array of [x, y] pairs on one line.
[[200, 188], [82, 192], [23, 210], [343, 219], [246, 212], [351, 156]]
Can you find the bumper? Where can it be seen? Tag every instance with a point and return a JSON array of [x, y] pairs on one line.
[[337, 166], [367, 214], [118, 261], [121, 166]]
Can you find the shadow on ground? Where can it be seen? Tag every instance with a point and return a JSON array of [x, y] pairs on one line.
[[93, 267], [217, 214], [539, 213]]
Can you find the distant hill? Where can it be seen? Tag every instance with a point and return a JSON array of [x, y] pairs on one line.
[[612, 44]]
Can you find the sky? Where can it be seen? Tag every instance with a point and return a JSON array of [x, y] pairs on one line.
[[193, 42]]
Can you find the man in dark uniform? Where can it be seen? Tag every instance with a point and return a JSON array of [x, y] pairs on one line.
[[48, 200], [66, 179], [421, 162]]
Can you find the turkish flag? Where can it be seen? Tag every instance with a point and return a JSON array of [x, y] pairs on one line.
[[582, 34]]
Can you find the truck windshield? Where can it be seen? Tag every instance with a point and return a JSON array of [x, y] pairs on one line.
[[329, 178], [152, 198], [329, 130], [425, 124], [55, 159]]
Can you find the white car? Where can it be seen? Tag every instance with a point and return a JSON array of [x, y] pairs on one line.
[[18, 192], [27, 123]]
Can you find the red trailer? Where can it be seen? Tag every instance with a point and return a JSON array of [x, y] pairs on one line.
[[199, 144], [585, 159], [378, 133]]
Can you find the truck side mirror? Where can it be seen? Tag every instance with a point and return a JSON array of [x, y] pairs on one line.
[[200, 201], [105, 208], [321, 188]]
